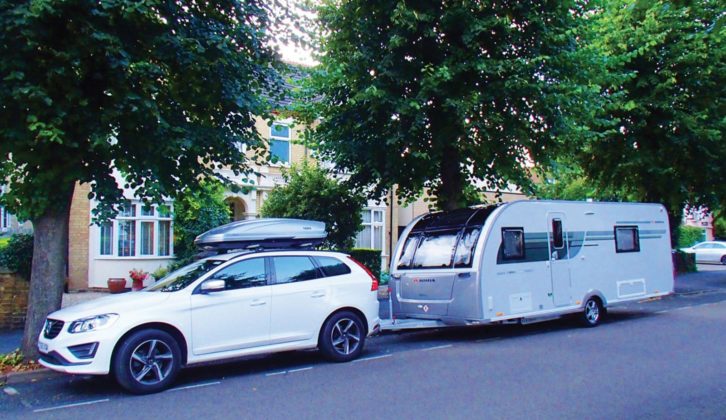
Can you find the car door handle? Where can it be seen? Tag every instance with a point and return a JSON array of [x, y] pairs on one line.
[[258, 302], [317, 294]]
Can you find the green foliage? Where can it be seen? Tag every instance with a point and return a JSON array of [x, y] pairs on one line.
[[685, 262], [11, 360], [4, 242], [17, 255], [197, 210], [371, 258], [661, 130], [690, 235], [160, 272], [164, 92], [437, 94], [311, 193]]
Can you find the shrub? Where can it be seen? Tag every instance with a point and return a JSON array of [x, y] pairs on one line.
[[17, 255], [4, 242], [690, 235], [371, 258], [195, 212], [685, 262]]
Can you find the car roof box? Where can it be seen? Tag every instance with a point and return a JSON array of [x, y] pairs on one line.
[[263, 234]]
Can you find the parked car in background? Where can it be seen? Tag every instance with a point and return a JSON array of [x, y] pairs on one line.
[[221, 307], [708, 252]]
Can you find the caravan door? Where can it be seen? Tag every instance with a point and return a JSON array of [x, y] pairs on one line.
[[559, 259]]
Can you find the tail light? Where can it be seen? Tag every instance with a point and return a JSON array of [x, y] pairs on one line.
[[374, 284]]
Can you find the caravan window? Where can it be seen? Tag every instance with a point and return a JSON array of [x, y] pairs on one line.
[[408, 249], [557, 237], [513, 243], [435, 250], [626, 239], [466, 247]]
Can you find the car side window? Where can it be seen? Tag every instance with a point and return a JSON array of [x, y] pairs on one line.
[[243, 274], [294, 269], [332, 266]]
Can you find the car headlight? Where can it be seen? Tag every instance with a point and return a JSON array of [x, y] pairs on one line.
[[92, 323]]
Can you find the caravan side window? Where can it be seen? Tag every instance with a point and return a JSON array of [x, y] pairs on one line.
[[557, 236], [627, 239], [513, 243]]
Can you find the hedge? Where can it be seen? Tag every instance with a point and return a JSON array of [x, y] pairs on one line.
[[371, 258], [685, 262]]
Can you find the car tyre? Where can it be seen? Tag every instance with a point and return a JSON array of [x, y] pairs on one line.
[[592, 312], [723, 260], [147, 361], [342, 337]]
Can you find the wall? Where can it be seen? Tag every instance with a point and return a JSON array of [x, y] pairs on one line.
[[78, 231], [13, 300]]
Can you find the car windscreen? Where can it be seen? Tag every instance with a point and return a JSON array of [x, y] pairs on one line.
[[184, 276]]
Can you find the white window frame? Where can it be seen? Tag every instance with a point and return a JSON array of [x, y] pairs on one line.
[[373, 224], [288, 139], [4, 219], [155, 217]]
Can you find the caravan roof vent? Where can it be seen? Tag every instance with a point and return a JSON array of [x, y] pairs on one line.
[[263, 234]]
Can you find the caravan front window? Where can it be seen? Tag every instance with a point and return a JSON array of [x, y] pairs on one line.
[[435, 250], [465, 249], [408, 249]]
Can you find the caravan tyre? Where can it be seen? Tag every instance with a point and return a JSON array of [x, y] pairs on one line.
[[342, 337], [592, 312]]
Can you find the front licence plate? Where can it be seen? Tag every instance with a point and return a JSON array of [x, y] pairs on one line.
[[43, 347]]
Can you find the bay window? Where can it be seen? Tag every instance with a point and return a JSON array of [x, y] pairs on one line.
[[137, 231]]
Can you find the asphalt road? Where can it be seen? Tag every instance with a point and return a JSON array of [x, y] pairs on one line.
[[664, 358]]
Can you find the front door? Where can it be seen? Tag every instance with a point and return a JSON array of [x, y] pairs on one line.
[[237, 317], [559, 259]]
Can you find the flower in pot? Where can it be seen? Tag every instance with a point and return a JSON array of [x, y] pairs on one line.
[[137, 277]]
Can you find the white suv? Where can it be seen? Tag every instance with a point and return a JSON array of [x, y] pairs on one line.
[[221, 307]]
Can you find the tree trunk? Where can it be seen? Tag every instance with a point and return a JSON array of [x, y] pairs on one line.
[[450, 193], [50, 232]]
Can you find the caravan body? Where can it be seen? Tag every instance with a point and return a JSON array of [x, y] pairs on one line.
[[529, 260]]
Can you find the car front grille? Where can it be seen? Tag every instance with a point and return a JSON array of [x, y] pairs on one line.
[[52, 328]]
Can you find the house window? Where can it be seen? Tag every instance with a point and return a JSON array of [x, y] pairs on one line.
[[512, 243], [137, 232], [627, 239], [4, 219], [371, 236], [279, 143]]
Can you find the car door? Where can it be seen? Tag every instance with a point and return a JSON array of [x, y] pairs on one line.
[[237, 317], [300, 299]]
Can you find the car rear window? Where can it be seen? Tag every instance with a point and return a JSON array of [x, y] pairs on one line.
[[332, 266], [293, 269]]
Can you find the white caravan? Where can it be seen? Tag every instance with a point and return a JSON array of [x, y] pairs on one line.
[[528, 261]]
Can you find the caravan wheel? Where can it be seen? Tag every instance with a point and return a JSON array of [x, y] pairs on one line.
[[592, 312]]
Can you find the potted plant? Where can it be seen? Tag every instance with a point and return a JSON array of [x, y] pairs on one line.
[[116, 284], [137, 277]]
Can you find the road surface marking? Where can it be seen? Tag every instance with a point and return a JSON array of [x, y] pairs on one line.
[[10, 390], [299, 370], [41, 410], [195, 386], [483, 340], [276, 373], [372, 358], [662, 312], [445, 346]]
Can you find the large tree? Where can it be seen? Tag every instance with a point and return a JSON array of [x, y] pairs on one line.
[[312, 193], [163, 92], [438, 94], [662, 132]]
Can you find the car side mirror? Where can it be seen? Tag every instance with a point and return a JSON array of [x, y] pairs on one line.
[[212, 285]]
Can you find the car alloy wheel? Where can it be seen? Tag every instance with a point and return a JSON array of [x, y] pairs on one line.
[[342, 337], [147, 361]]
